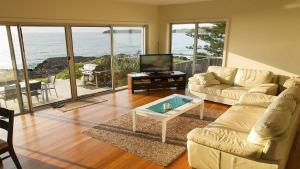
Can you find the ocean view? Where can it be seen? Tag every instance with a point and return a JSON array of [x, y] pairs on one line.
[[40, 46]]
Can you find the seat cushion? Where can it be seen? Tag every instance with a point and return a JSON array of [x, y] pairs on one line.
[[252, 77], [211, 90], [239, 118], [3, 144], [225, 75], [225, 140], [234, 92]]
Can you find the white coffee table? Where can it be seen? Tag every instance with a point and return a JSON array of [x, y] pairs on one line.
[[164, 117]]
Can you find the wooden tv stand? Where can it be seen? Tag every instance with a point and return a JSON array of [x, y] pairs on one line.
[[146, 81]]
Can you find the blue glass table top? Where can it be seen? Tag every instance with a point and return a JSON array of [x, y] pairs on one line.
[[175, 102]]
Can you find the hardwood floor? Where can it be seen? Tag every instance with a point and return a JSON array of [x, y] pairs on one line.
[[50, 139]]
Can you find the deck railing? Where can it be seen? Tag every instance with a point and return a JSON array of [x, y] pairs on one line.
[[201, 65]]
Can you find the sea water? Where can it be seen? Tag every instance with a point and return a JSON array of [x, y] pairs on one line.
[[40, 45]]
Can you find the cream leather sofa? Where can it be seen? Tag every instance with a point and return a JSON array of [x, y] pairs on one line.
[[226, 85], [255, 133]]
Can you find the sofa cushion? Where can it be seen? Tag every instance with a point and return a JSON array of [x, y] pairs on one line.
[[267, 88], [252, 77], [270, 125], [239, 118], [292, 92], [211, 90], [234, 92], [256, 99], [292, 82], [284, 104], [224, 74], [225, 140]]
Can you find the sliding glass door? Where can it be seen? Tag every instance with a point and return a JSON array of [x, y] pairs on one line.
[[47, 63], [196, 46], [9, 96], [19, 67], [37, 62], [92, 56], [182, 47], [129, 43]]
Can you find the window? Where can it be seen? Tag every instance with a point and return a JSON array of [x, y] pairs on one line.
[[128, 45], [182, 47], [209, 40]]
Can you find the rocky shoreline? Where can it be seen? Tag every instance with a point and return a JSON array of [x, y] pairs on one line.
[[55, 65]]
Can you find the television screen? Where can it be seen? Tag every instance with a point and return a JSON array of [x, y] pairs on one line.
[[156, 63]]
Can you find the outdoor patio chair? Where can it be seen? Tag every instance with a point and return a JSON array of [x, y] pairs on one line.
[[51, 84], [36, 90], [7, 146], [9, 93]]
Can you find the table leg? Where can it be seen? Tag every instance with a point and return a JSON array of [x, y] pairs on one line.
[[163, 132], [133, 121], [201, 110], [96, 78], [47, 96]]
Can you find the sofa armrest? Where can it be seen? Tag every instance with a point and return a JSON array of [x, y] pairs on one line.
[[204, 79], [193, 80], [267, 88], [226, 140]]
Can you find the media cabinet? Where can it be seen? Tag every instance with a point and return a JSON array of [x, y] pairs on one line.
[[147, 81]]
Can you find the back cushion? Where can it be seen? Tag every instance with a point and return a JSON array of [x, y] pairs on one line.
[[252, 77], [292, 92], [292, 82], [283, 103], [225, 75], [272, 123]]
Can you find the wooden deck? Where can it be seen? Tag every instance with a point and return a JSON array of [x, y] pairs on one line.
[[50, 139]]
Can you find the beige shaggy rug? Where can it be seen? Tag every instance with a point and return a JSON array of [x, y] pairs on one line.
[[146, 142]]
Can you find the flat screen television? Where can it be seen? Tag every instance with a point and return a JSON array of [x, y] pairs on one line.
[[156, 63]]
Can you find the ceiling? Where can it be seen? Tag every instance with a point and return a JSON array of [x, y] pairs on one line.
[[162, 2]]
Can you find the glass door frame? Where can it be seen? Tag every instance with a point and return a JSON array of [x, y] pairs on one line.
[[72, 58], [14, 67], [25, 67], [195, 45], [112, 48], [144, 46]]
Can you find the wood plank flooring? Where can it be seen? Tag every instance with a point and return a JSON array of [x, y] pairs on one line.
[[50, 139]]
